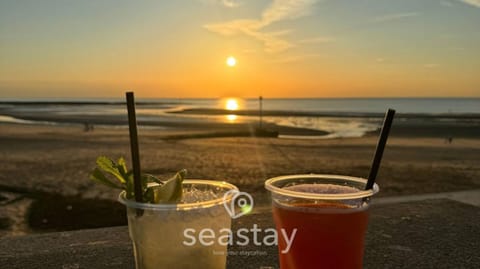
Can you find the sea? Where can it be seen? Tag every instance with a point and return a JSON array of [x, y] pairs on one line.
[[340, 117]]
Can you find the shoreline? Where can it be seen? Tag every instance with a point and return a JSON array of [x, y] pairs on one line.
[[410, 126], [240, 112], [339, 114], [290, 118]]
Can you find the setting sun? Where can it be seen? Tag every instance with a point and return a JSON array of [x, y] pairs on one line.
[[231, 61], [231, 104]]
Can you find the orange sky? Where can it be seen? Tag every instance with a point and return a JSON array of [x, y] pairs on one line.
[[284, 48]]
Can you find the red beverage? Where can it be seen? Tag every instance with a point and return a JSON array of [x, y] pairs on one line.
[[321, 220], [328, 235]]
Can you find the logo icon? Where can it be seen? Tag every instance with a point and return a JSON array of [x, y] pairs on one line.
[[241, 203]]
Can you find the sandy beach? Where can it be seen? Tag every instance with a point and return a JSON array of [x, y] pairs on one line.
[[44, 169]]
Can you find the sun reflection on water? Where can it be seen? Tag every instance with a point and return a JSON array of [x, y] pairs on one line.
[[231, 118]]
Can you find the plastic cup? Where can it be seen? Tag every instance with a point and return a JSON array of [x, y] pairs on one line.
[[162, 236], [330, 224]]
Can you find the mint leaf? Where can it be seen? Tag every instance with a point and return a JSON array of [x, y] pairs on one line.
[[99, 177], [129, 187], [161, 192], [151, 178], [149, 195], [122, 167], [110, 166]]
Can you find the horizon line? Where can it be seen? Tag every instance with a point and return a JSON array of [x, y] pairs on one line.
[[8, 99]]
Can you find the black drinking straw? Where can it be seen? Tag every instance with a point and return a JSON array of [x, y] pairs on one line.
[[132, 124], [382, 140]]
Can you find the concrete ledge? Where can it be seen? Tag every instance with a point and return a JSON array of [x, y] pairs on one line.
[[437, 233]]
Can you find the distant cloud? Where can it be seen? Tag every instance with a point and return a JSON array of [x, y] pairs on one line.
[[272, 41], [380, 60], [287, 9], [230, 3], [227, 3], [278, 10], [475, 3], [317, 40], [393, 17]]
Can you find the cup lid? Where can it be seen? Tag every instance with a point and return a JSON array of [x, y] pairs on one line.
[[184, 206], [276, 185]]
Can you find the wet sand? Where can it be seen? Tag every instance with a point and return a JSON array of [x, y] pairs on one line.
[[49, 165]]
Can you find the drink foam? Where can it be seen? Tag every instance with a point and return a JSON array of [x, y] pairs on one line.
[[193, 195], [321, 188]]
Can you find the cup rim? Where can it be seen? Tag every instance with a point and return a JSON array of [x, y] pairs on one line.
[[184, 206], [321, 196]]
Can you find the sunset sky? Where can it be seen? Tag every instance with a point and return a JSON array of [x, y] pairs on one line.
[[283, 48]]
